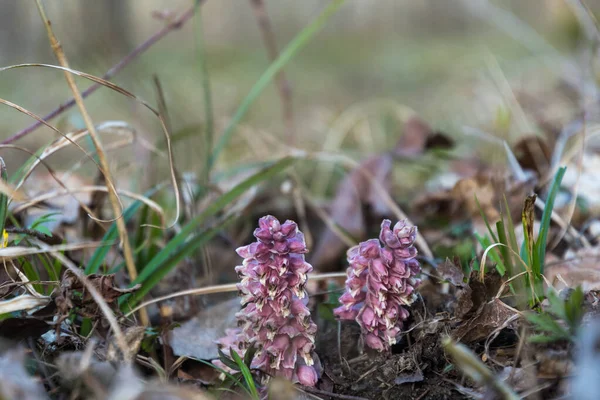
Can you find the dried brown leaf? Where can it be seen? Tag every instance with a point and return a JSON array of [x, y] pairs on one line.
[[355, 193], [196, 337], [452, 272], [491, 316]]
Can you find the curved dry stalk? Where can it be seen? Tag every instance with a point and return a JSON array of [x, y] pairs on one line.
[[527, 269], [506, 282], [53, 175], [34, 116], [497, 331], [229, 287], [73, 137], [115, 145], [54, 251], [12, 252], [85, 189], [112, 193], [24, 280], [490, 247], [68, 71], [162, 117], [175, 24]]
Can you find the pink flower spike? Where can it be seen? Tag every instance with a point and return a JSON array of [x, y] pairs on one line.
[[275, 318], [382, 277]]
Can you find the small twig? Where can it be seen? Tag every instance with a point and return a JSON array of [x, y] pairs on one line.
[[422, 395], [331, 394], [49, 239], [176, 24], [112, 194], [283, 85]]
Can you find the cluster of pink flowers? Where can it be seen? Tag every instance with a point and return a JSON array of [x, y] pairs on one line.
[[275, 318], [381, 281]]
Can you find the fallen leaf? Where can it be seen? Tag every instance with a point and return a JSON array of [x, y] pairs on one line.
[[196, 337], [356, 191], [490, 317], [452, 272], [347, 208], [67, 206], [73, 293], [474, 195], [578, 268], [533, 153], [413, 377], [133, 338]]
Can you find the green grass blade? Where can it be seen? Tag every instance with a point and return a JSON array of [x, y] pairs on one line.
[[177, 248], [545, 323], [222, 371], [485, 242], [546, 217], [112, 234], [32, 274], [510, 228], [246, 373], [487, 223], [211, 210], [505, 250], [271, 72], [161, 270]]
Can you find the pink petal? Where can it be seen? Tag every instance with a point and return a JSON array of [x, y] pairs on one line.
[[374, 342], [307, 376]]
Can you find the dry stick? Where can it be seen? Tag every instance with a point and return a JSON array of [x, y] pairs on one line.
[[229, 287], [283, 85], [48, 239], [112, 193], [175, 24]]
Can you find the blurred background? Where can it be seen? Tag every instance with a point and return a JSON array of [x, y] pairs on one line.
[[453, 62]]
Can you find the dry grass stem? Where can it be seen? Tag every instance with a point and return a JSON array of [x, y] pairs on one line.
[[112, 193], [230, 287]]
